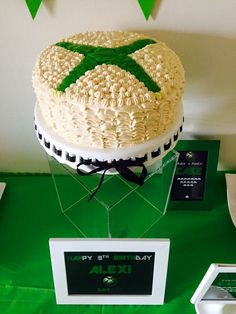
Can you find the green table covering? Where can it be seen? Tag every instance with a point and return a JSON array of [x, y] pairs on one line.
[[30, 215]]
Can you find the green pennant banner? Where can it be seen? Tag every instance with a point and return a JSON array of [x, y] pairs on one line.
[[146, 6], [33, 6]]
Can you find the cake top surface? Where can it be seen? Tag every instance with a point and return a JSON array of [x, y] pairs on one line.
[[114, 88]]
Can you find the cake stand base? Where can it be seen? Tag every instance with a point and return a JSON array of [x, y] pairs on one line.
[[120, 209]]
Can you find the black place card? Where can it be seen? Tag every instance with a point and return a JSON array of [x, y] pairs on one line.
[[195, 176], [123, 273], [189, 180]]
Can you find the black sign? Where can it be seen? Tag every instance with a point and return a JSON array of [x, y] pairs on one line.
[[121, 273], [189, 179]]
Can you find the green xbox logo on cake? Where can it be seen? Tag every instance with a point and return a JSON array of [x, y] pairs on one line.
[[113, 56]]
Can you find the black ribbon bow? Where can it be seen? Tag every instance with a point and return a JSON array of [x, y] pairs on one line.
[[121, 166]]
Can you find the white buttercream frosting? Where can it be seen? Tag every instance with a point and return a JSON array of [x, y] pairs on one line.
[[108, 106]]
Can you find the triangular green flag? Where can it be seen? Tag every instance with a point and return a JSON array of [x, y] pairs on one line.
[[33, 6], [146, 6]]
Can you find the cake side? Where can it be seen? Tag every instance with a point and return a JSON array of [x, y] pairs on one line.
[[109, 106]]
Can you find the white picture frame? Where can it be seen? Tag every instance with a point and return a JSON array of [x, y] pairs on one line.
[[160, 248], [216, 305]]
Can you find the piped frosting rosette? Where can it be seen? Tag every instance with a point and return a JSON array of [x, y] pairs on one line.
[[108, 100]]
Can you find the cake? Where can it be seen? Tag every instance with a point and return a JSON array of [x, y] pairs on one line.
[[108, 96]]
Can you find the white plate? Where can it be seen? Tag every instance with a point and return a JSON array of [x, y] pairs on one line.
[[231, 195], [2, 188]]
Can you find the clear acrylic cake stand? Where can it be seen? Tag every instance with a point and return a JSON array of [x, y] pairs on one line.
[[120, 209]]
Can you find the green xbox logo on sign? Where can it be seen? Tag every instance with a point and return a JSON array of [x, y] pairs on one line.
[[110, 281]]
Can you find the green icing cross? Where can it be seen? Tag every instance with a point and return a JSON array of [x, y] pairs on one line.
[[114, 56]]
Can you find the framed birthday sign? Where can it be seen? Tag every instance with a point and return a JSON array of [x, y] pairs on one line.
[[109, 271]]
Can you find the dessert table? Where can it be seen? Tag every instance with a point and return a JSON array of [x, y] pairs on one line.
[[30, 215]]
